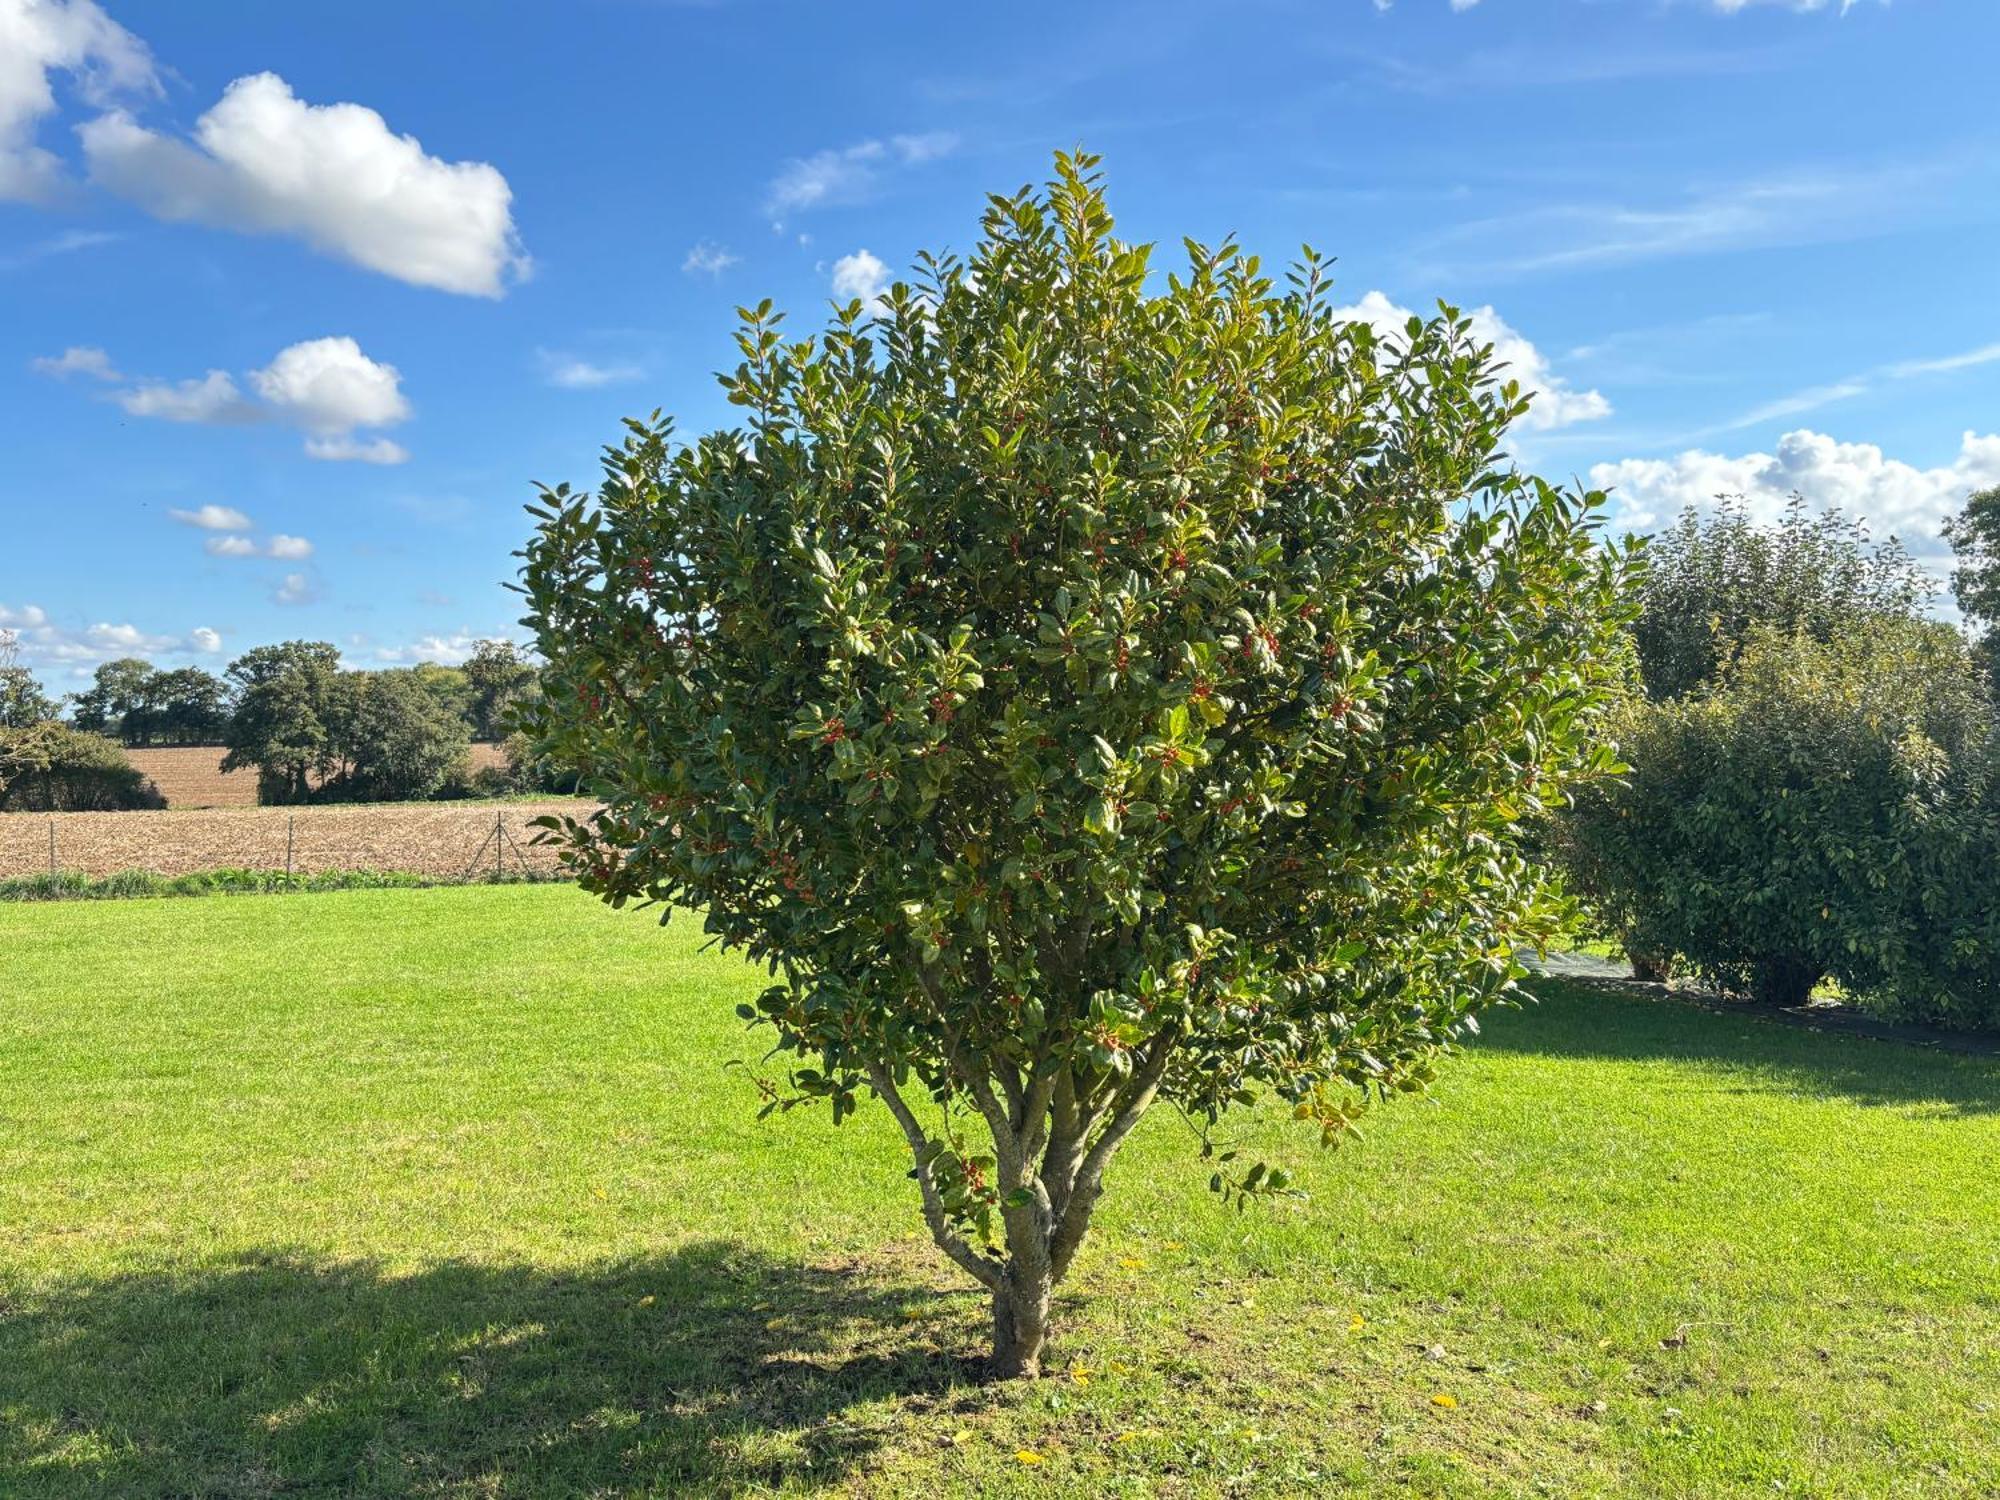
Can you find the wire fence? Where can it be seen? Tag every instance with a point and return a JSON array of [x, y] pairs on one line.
[[449, 841]]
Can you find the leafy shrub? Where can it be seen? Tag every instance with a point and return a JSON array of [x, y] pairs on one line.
[[1806, 817], [1081, 695], [49, 767]]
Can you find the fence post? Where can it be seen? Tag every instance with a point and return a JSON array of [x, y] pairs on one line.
[[498, 835], [52, 846], [290, 820]]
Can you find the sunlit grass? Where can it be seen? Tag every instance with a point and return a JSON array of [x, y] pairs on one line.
[[450, 1192]]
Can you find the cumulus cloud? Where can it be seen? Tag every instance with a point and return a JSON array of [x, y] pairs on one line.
[[570, 373], [326, 387], [44, 644], [264, 161], [39, 38], [860, 275], [851, 173], [447, 650], [708, 260], [329, 386], [213, 400], [1859, 479], [79, 360], [1555, 403], [285, 548], [213, 518]]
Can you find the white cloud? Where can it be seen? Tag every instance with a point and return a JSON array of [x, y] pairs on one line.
[[326, 387], [706, 259], [1986, 354], [295, 588], [79, 359], [1816, 204], [40, 37], [574, 374], [357, 450], [43, 644], [851, 173], [1731, 7], [447, 650], [265, 162], [1859, 479], [285, 548], [66, 243], [213, 518], [1555, 404], [213, 399], [860, 275]]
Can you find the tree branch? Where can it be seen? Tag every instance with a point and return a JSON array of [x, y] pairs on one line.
[[1126, 1110], [969, 1260]]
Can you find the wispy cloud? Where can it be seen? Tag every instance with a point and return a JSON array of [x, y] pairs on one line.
[[851, 174], [1807, 206], [1814, 397], [213, 518], [1985, 354], [706, 259], [571, 373], [66, 243], [78, 360]]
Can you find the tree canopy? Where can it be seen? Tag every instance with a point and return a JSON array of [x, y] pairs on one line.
[[1711, 579], [1083, 688]]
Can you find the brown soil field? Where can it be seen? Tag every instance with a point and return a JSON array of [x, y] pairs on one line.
[[438, 839], [192, 775]]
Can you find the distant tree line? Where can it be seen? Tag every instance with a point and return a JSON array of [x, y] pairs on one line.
[[311, 731]]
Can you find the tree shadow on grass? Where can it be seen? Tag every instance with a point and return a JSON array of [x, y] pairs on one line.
[[711, 1370], [1625, 1021]]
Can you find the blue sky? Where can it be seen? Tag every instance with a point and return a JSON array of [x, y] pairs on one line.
[[297, 301]]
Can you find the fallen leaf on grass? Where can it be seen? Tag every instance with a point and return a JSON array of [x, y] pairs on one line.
[[1023, 1456], [1131, 1263], [1444, 1399], [1677, 1339]]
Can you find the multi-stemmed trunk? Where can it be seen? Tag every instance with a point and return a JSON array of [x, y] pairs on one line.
[[1054, 1133]]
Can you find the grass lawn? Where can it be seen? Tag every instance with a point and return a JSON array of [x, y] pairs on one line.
[[448, 1193]]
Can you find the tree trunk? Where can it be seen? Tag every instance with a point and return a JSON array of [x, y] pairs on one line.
[[1784, 981], [1020, 1328]]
